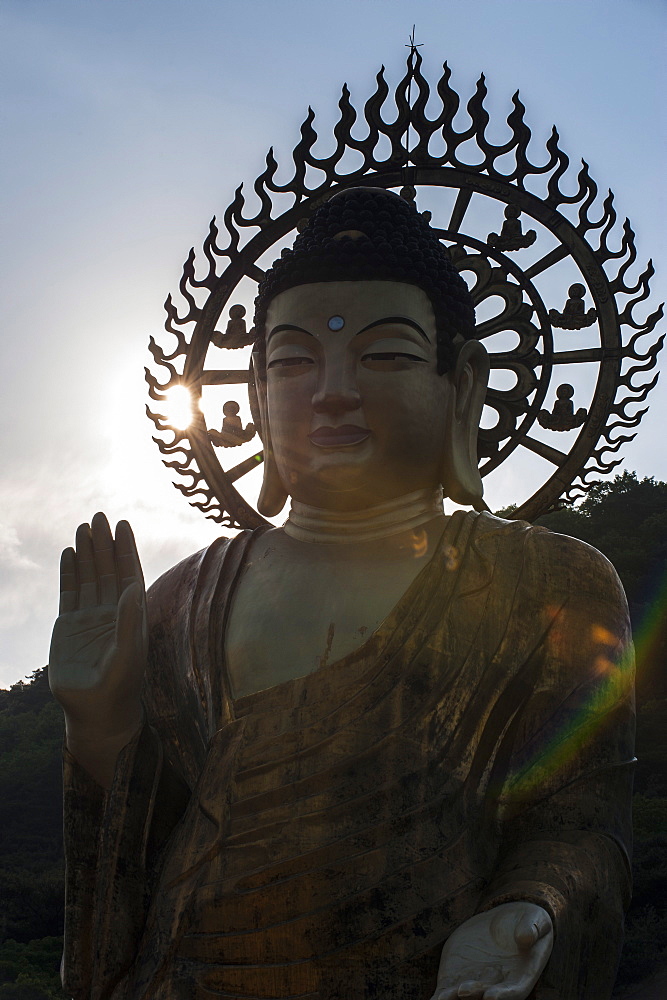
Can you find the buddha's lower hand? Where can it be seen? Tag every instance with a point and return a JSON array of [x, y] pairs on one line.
[[496, 955], [99, 645]]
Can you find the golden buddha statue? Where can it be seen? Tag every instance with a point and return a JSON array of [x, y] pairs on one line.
[[377, 752]]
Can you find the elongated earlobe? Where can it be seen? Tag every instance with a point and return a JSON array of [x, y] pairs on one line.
[[272, 495], [461, 480]]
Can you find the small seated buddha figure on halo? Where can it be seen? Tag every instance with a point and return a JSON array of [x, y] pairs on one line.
[[235, 335], [378, 752], [574, 316], [563, 417], [512, 236], [232, 432]]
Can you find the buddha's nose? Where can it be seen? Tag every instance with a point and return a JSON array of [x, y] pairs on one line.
[[337, 393]]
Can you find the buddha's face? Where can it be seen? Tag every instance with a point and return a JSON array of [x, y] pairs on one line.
[[356, 408]]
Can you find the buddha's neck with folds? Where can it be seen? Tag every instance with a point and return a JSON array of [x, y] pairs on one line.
[[405, 513]]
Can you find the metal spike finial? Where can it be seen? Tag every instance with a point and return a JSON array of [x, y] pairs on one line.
[[414, 47]]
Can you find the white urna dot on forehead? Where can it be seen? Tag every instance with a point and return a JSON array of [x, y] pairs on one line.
[[336, 323]]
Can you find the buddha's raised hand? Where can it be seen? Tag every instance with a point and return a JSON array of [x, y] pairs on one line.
[[496, 955], [99, 645]]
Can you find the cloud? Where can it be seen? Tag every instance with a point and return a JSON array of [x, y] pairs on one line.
[[19, 579], [11, 557]]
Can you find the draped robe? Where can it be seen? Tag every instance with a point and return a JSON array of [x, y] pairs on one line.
[[321, 839]]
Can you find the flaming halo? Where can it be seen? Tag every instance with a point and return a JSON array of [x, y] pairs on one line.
[[400, 154]]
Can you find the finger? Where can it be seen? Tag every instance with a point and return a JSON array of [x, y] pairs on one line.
[[85, 567], [105, 563], [530, 928], [130, 625], [127, 557], [525, 933], [544, 924], [68, 585], [471, 988], [517, 991]]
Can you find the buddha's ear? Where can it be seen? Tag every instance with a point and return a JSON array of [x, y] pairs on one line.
[[461, 479], [272, 495]]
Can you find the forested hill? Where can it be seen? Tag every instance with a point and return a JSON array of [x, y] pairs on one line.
[[31, 843], [626, 519]]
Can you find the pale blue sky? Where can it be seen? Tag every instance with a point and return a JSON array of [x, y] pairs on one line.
[[128, 123]]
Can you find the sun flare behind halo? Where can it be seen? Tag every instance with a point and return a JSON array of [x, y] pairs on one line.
[[179, 408]]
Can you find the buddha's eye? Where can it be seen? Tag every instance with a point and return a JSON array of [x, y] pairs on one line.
[[390, 360], [390, 356], [283, 363]]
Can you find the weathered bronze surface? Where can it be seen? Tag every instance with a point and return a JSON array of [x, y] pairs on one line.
[[377, 752], [477, 747]]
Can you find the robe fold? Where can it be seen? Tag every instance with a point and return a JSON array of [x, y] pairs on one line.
[[321, 839]]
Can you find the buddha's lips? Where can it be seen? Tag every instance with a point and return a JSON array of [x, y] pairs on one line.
[[339, 437]]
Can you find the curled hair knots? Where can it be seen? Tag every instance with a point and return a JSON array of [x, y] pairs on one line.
[[367, 234]]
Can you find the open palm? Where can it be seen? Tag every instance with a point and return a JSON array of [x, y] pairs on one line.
[[99, 642], [496, 955]]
